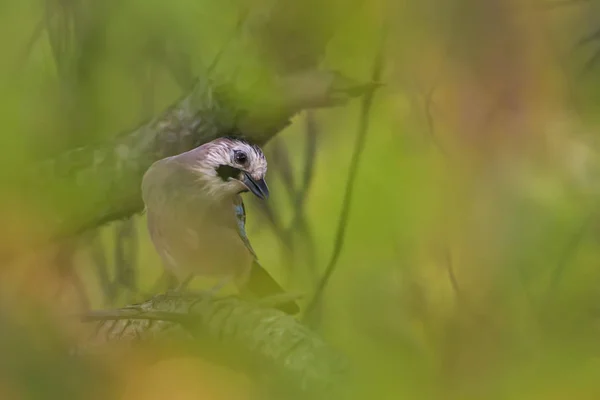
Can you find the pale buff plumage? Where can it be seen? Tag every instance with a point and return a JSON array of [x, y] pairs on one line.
[[196, 217]]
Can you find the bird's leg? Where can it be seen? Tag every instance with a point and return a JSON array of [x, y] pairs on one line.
[[184, 283], [179, 288], [166, 281], [220, 284]]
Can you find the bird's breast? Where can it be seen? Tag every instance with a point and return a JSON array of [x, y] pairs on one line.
[[201, 240]]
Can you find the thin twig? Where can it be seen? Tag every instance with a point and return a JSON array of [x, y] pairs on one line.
[[57, 23], [125, 235], [63, 261], [35, 36], [281, 160], [275, 221], [452, 276], [299, 221], [115, 315], [236, 32], [125, 254], [311, 314], [568, 253], [310, 155], [428, 104], [592, 37], [282, 165], [552, 43], [98, 259], [461, 299]]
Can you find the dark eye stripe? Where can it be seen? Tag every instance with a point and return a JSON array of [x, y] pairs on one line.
[[227, 171]]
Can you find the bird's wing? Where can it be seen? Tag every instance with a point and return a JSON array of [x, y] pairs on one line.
[[161, 191], [186, 232], [240, 216], [260, 283], [164, 181], [189, 229]]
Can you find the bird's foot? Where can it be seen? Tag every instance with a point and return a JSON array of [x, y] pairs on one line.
[[279, 299], [184, 284], [220, 285], [182, 290]]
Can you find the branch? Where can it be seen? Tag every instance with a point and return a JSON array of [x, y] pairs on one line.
[[267, 344], [299, 221], [568, 253], [89, 186], [312, 314]]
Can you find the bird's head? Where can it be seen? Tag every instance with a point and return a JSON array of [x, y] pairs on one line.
[[232, 165]]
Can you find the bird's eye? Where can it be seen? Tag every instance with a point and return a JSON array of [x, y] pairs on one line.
[[240, 157]]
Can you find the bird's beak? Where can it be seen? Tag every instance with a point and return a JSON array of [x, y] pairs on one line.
[[258, 187]]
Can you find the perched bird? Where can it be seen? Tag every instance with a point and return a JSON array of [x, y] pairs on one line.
[[196, 216]]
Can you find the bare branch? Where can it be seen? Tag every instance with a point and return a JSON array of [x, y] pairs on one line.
[[479, 317], [91, 185], [310, 155], [35, 36], [281, 160], [299, 221], [63, 260], [568, 253], [272, 216], [125, 254], [312, 311], [97, 252]]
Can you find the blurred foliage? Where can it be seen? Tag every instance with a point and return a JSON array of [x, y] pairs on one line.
[[470, 267]]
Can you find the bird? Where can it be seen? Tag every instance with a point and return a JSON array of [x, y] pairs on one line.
[[196, 216]]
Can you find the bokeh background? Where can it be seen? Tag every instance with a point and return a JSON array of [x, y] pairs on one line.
[[470, 261]]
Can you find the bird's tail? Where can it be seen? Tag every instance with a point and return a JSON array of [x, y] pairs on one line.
[[260, 284]]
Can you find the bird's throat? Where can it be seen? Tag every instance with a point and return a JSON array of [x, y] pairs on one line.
[[226, 172]]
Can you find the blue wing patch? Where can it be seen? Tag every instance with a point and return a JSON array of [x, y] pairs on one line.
[[240, 216]]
